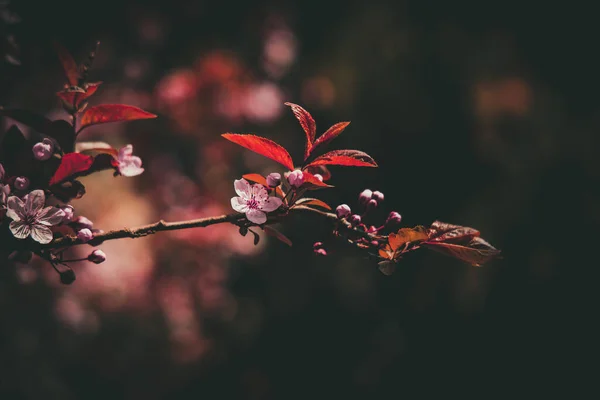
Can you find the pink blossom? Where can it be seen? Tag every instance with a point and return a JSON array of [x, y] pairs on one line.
[[43, 150], [129, 165], [296, 178], [31, 218], [254, 201], [21, 183], [97, 256], [85, 235]]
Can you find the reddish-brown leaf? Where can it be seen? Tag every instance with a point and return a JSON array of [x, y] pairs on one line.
[[474, 251], [276, 234], [313, 202], [312, 183], [68, 63], [75, 95], [399, 242], [349, 158], [330, 134], [442, 232], [71, 164], [262, 146], [112, 113], [258, 178], [308, 124]]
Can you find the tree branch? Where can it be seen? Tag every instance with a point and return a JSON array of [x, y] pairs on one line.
[[235, 219]]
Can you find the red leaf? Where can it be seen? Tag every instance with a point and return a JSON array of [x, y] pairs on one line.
[[75, 95], [311, 182], [276, 234], [329, 135], [308, 124], [68, 64], [441, 232], [258, 178], [70, 165], [349, 158], [112, 113], [475, 251], [262, 146], [313, 202]]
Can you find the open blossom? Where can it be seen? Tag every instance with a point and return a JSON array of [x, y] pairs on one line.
[[254, 201], [129, 165], [30, 217]]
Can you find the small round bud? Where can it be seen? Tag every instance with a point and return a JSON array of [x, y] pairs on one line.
[[372, 229], [372, 204], [43, 150], [67, 277], [319, 177], [343, 210], [68, 210], [296, 178], [365, 196], [321, 252], [274, 179], [378, 196], [97, 256], [393, 219], [83, 222], [374, 243], [354, 219], [21, 183], [85, 235]]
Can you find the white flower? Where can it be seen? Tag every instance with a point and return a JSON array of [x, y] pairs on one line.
[[31, 218], [129, 165], [254, 201]]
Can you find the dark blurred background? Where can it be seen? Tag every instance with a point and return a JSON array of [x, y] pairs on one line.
[[479, 113]]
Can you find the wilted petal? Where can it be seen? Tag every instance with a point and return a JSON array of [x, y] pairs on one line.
[[20, 229], [35, 202], [50, 216], [271, 204], [15, 208], [239, 204], [242, 188], [41, 234], [256, 216]]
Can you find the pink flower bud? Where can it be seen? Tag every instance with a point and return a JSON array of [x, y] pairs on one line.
[[274, 179], [374, 243], [365, 196], [354, 219], [317, 245], [393, 219], [296, 178], [319, 177], [372, 229], [21, 183], [372, 204], [1, 172], [377, 196], [83, 222], [85, 235], [43, 150], [321, 252], [343, 210], [97, 256], [68, 210]]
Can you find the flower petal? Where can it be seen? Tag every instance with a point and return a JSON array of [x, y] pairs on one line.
[[20, 229], [125, 152], [260, 193], [41, 234], [239, 204], [242, 188], [50, 216], [256, 216], [272, 204], [131, 166], [35, 202], [15, 208]]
